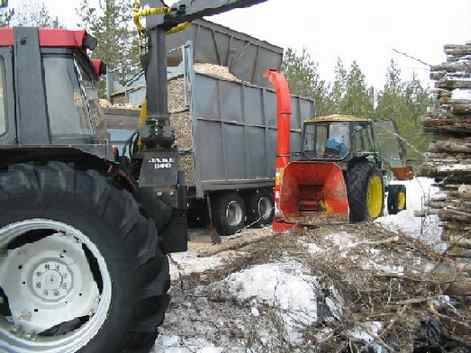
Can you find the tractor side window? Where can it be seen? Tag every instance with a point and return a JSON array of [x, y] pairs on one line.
[[3, 99], [66, 101], [367, 139], [362, 140], [321, 138], [309, 137]]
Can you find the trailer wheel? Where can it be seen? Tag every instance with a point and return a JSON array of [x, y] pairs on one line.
[[82, 270], [229, 213], [261, 209], [397, 199], [365, 192]]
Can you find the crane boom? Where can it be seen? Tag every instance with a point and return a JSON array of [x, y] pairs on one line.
[[188, 10]]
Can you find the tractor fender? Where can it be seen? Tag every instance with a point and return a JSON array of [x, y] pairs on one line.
[[81, 158]]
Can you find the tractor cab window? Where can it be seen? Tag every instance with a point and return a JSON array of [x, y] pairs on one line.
[[330, 140], [70, 117], [362, 139], [3, 99]]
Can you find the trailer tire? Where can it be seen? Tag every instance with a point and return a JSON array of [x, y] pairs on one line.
[[120, 247], [363, 178], [397, 199], [260, 208], [229, 213]]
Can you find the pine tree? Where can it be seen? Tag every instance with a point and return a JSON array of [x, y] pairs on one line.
[[111, 25], [339, 86], [29, 13], [304, 79], [356, 100], [405, 102], [6, 16]]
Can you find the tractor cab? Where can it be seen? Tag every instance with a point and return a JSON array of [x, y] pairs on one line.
[[48, 85], [339, 138]]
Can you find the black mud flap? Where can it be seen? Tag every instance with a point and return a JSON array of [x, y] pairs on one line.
[[162, 193]]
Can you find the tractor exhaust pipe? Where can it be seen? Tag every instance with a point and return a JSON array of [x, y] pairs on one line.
[[283, 149]]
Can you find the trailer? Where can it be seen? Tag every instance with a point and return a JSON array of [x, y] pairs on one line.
[[226, 133]]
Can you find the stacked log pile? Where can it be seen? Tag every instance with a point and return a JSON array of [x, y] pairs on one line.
[[449, 157]]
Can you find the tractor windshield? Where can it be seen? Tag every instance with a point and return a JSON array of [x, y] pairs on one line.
[[71, 107], [330, 140]]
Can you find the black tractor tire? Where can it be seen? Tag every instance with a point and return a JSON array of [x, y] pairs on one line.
[[394, 192], [260, 208], [198, 215], [229, 213], [111, 218], [358, 177]]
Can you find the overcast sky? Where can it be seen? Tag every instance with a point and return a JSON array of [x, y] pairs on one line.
[[362, 30]]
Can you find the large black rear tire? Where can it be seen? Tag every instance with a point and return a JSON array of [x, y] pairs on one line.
[[358, 179], [111, 219], [260, 208], [229, 213]]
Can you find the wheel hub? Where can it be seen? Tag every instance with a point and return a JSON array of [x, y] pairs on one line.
[[49, 282], [265, 208], [234, 213], [51, 292], [52, 281]]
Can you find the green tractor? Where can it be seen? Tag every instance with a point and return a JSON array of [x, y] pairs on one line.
[[341, 175]]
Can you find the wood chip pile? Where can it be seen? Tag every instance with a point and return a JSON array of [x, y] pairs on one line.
[[449, 157], [180, 118], [218, 71], [180, 113]]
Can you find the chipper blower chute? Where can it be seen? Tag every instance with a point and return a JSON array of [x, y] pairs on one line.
[[337, 177]]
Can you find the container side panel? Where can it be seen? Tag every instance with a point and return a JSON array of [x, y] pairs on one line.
[[307, 109], [222, 41], [267, 59], [270, 108], [271, 153], [254, 109], [234, 141], [205, 98], [231, 106], [244, 62], [257, 158], [210, 151], [296, 117], [295, 142]]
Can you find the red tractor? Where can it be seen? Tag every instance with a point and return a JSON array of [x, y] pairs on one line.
[[84, 234]]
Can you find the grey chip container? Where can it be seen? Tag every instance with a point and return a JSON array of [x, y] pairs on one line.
[[245, 56], [234, 132]]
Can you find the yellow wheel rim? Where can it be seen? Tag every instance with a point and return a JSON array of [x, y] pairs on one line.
[[401, 201], [375, 196]]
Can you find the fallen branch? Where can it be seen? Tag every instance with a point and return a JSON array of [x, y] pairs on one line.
[[235, 244]]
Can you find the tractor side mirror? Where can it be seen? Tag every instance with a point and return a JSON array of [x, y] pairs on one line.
[[99, 67]]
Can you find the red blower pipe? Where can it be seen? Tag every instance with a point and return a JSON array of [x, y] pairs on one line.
[[283, 155]]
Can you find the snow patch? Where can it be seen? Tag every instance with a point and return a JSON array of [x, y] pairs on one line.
[[461, 94], [419, 191], [187, 263], [176, 344], [367, 333], [284, 286], [453, 168]]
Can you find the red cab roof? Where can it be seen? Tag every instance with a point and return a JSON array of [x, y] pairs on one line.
[[48, 38]]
